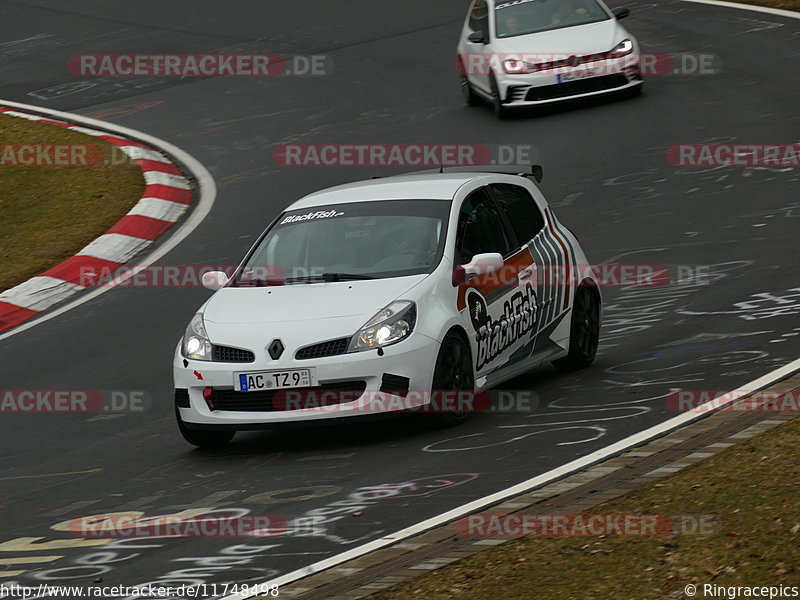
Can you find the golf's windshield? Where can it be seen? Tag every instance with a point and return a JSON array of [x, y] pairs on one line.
[[521, 17], [363, 240]]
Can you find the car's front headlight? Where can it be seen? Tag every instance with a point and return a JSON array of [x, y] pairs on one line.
[[624, 48], [196, 344], [389, 326], [513, 66]]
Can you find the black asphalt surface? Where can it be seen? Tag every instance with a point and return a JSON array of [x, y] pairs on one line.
[[393, 81]]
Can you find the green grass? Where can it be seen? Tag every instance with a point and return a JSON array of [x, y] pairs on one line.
[[49, 213]]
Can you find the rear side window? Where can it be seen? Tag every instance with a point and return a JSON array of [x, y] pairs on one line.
[[480, 228], [479, 16], [521, 210]]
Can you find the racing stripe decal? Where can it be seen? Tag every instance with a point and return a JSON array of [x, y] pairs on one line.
[[567, 262]]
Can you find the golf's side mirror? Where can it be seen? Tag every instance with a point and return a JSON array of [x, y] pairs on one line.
[[478, 37], [621, 13]]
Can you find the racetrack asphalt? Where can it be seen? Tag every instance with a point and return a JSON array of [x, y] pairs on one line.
[[393, 81]]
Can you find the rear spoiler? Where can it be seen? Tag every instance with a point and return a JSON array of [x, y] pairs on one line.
[[534, 171]]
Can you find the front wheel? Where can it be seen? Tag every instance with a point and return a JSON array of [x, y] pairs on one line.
[[584, 335], [203, 439], [497, 102], [467, 93], [453, 372]]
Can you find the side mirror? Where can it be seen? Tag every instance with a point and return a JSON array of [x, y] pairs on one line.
[[478, 37], [621, 13], [215, 280], [538, 173], [481, 264]]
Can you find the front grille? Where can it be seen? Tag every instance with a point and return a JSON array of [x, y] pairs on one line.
[[574, 88], [231, 355], [327, 394], [329, 348]]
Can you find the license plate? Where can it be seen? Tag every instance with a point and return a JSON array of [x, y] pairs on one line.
[[572, 76], [273, 380]]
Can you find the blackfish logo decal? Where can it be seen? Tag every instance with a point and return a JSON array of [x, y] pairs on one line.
[[495, 336]]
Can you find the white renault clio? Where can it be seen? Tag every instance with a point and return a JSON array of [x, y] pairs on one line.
[[369, 293], [517, 53]]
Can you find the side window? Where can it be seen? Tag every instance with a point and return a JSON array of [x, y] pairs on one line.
[[521, 209], [480, 228], [479, 16]]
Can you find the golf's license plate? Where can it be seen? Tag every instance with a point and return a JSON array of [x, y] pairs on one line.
[[274, 380], [573, 75]]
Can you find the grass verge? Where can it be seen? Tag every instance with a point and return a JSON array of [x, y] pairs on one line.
[[48, 213], [753, 489], [784, 4]]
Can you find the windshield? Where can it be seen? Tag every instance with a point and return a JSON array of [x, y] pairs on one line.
[[363, 240], [520, 17]]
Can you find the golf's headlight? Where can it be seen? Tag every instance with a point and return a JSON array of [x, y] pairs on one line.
[[514, 66], [196, 344], [624, 48], [391, 325]]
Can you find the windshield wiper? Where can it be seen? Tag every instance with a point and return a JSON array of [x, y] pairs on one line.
[[261, 282], [330, 278]]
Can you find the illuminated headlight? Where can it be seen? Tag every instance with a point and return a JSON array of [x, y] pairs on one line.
[[391, 325], [624, 48], [513, 66], [196, 344]]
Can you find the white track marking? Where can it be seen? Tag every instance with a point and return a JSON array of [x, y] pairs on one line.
[[115, 247], [764, 9], [207, 192]]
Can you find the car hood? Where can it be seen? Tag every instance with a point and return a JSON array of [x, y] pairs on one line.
[[582, 39], [305, 302]]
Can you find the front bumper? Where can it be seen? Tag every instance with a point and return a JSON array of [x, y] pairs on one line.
[[535, 89], [412, 359]]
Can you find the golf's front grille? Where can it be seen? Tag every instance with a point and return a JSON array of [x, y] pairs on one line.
[[327, 394], [329, 348], [575, 88], [231, 355]]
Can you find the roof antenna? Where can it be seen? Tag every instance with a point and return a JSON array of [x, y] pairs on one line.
[[441, 169]]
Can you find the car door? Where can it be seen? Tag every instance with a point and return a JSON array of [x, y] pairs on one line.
[[552, 271], [476, 57], [495, 310]]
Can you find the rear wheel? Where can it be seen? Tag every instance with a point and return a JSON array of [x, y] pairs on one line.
[[203, 439], [584, 335], [453, 372]]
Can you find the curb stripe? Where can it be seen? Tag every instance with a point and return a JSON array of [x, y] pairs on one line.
[[167, 196]]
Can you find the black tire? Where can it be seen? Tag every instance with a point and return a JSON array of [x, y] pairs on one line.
[[203, 439], [467, 92], [584, 335], [497, 103], [453, 372]]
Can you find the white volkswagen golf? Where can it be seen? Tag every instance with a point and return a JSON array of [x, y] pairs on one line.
[[371, 294], [517, 53]]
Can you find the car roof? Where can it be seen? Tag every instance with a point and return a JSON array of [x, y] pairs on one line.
[[427, 186]]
